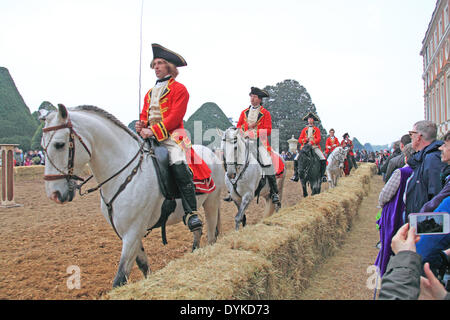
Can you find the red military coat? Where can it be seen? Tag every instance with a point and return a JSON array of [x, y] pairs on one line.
[[173, 105], [348, 144], [303, 139], [263, 131], [331, 144], [263, 125]]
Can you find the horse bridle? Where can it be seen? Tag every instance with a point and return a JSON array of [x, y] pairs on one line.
[[69, 175], [306, 170], [70, 165], [235, 163]]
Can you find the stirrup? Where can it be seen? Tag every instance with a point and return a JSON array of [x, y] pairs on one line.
[[275, 198], [276, 201], [193, 222]]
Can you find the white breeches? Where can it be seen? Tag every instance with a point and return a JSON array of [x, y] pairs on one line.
[[176, 153], [263, 157], [319, 153]]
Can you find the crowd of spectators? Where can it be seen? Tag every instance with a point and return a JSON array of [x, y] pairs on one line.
[[416, 173], [288, 156], [29, 158]]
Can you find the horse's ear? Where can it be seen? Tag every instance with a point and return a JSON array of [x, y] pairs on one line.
[[219, 132], [62, 111], [43, 114]]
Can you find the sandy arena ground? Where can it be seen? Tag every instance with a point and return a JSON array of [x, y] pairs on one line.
[[41, 240]]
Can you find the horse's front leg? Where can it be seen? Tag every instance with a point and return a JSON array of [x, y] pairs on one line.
[[130, 246], [197, 238], [305, 190], [240, 216], [142, 261]]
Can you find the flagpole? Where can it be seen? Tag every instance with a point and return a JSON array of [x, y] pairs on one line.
[[140, 59]]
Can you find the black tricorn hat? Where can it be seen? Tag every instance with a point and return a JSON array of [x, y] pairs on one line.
[[311, 115], [260, 93], [160, 52], [345, 135]]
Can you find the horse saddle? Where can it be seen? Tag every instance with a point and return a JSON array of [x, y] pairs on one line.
[[167, 185], [165, 176]]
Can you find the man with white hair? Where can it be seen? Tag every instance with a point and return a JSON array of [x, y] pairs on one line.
[[425, 183]]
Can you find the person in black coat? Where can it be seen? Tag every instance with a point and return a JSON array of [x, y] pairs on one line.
[[425, 182]]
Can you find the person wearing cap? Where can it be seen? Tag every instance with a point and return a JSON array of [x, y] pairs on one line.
[[256, 123], [162, 118], [310, 135], [347, 143], [331, 143]]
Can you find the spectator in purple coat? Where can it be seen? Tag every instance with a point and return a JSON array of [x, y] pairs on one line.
[[391, 199]]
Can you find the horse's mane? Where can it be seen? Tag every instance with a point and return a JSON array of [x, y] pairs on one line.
[[108, 116], [307, 149]]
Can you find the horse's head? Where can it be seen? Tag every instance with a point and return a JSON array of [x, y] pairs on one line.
[[306, 160], [59, 141], [233, 146]]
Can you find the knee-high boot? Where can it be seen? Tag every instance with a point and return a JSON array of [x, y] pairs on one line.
[[295, 176], [274, 189], [323, 167], [183, 179]]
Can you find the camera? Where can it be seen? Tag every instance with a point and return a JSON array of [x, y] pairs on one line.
[[444, 270], [430, 223]]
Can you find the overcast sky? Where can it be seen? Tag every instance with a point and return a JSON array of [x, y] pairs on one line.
[[358, 59]]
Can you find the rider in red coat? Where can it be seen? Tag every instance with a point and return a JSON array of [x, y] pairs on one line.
[[256, 123], [331, 143], [162, 118], [310, 135], [350, 162]]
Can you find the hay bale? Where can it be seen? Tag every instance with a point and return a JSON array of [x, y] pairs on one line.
[[273, 259], [210, 273]]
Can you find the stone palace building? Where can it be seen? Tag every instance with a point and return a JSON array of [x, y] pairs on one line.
[[436, 75]]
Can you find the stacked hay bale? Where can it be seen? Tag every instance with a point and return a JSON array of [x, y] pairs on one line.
[[270, 260]]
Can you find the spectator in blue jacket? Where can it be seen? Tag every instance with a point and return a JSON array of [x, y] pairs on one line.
[[429, 246], [431, 205], [425, 182]]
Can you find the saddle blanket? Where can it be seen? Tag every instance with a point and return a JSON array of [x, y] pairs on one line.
[[278, 164], [203, 181]]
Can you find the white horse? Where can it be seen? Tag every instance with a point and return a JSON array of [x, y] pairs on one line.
[[122, 164], [335, 165], [243, 174]]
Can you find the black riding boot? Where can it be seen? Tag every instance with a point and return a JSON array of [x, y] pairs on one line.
[[323, 168], [183, 179], [295, 176], [274, 189]]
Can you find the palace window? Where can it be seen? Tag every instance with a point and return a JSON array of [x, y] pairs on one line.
[[442, 107]]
